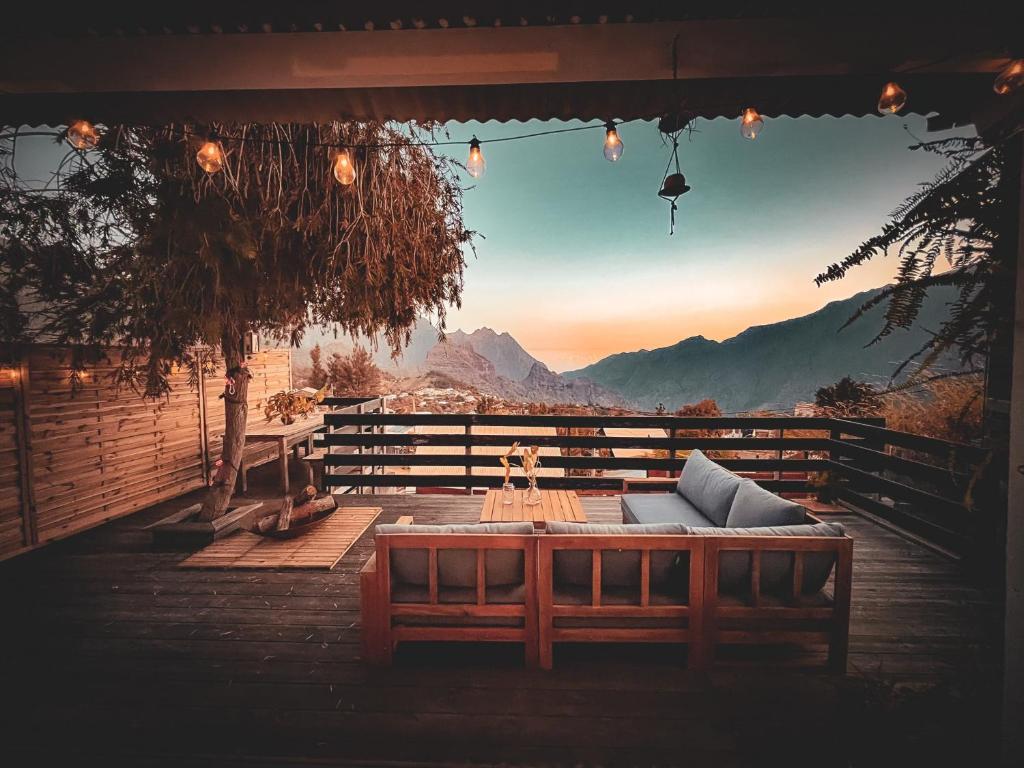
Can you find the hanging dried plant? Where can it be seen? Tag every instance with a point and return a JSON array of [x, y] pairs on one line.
[[134, 244]]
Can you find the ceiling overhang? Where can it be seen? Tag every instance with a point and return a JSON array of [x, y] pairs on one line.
[[817, 66]]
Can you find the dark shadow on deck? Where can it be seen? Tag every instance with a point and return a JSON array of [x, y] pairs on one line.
[[111, 651]]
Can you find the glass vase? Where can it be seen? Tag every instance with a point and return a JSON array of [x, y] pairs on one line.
[[532, 497], [507, 494]]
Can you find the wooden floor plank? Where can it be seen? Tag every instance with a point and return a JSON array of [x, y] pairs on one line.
[[239, 667]]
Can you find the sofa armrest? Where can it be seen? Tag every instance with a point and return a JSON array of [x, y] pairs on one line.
[[370, 566], [374, 633]]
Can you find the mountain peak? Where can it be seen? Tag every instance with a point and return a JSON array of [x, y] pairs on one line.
[[770, 366]]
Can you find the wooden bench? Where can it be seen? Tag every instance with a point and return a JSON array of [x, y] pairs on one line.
[[387, 622], [788, 614], [254, 455], [771, 603], [607, 611]]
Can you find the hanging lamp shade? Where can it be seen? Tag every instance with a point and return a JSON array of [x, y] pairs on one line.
[[674, 186]]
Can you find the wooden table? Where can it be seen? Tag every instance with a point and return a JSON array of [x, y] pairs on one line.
[[554, 505], [287, 436]]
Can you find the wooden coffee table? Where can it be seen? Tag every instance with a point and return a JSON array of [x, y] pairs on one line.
[[554, 505]]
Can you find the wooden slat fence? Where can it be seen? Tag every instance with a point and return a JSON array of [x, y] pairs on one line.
[[72, 460], [919, 483]]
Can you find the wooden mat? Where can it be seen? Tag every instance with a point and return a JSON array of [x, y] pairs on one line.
[[321, 548]]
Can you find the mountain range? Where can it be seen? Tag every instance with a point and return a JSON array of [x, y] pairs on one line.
[[490, 362], [770, 366]]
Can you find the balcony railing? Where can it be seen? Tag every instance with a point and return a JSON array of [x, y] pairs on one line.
[[920, 483]]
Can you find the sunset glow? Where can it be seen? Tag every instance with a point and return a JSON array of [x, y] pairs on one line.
[[575, 260]]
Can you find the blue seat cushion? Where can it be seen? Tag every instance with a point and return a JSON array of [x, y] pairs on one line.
[[646, 508], [708, 486]]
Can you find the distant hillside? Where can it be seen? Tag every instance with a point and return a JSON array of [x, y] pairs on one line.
[[484, 360], [767, 366], [508, 357], [463, 364]]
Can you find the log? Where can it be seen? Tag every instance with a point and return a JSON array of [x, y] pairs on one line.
[[307, 494], [267, 523], [296, 514], [314, 507], [284, 517]]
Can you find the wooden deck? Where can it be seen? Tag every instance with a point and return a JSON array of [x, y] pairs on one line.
[[110, 650]]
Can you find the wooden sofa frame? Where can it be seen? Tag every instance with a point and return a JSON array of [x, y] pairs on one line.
[[380, 637], [757, 623], [705, 612], [691, 634]]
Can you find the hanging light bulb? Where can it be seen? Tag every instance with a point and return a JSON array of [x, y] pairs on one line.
[[344, 171], [83, 135], [892, 99], [476, 165], [1010, 79], [751, 124], [612, 143], [210, 157]]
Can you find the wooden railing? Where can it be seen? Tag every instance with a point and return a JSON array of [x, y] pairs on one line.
[[917, 482], [352, 463]]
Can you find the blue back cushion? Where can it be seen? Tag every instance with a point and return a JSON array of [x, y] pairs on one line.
[[754, 507], [709, 487]]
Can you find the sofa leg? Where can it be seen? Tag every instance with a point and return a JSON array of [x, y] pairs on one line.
[[696, 655], [546, 655], [838, 650], [532, 655]]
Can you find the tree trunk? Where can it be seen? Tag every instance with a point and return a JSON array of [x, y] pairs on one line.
[[236, 411]]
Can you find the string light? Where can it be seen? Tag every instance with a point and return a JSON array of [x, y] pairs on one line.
[[751, 124], [210, 157], [1010, 79], [344, 171], [476, 165], [892, 100], [612, 143], [83, 135]]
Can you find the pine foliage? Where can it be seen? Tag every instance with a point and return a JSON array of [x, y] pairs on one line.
[[950, 232]]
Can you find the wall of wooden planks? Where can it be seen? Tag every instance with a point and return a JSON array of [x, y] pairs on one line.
[[69, 462]]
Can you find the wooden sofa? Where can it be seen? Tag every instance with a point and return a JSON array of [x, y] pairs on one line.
[[448, 585], [768, 589], [592, 583], [600, 583]]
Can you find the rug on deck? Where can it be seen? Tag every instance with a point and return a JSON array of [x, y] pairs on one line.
[[321, 548]]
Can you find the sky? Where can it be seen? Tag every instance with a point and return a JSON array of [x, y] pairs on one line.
[[574, 256], [573, 253]]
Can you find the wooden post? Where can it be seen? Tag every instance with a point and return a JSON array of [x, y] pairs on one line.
[[672, 451], [359, 449], [26, 462], [1013, 644], [468, 468], [204, 437], [778, 472], [282, 448]]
